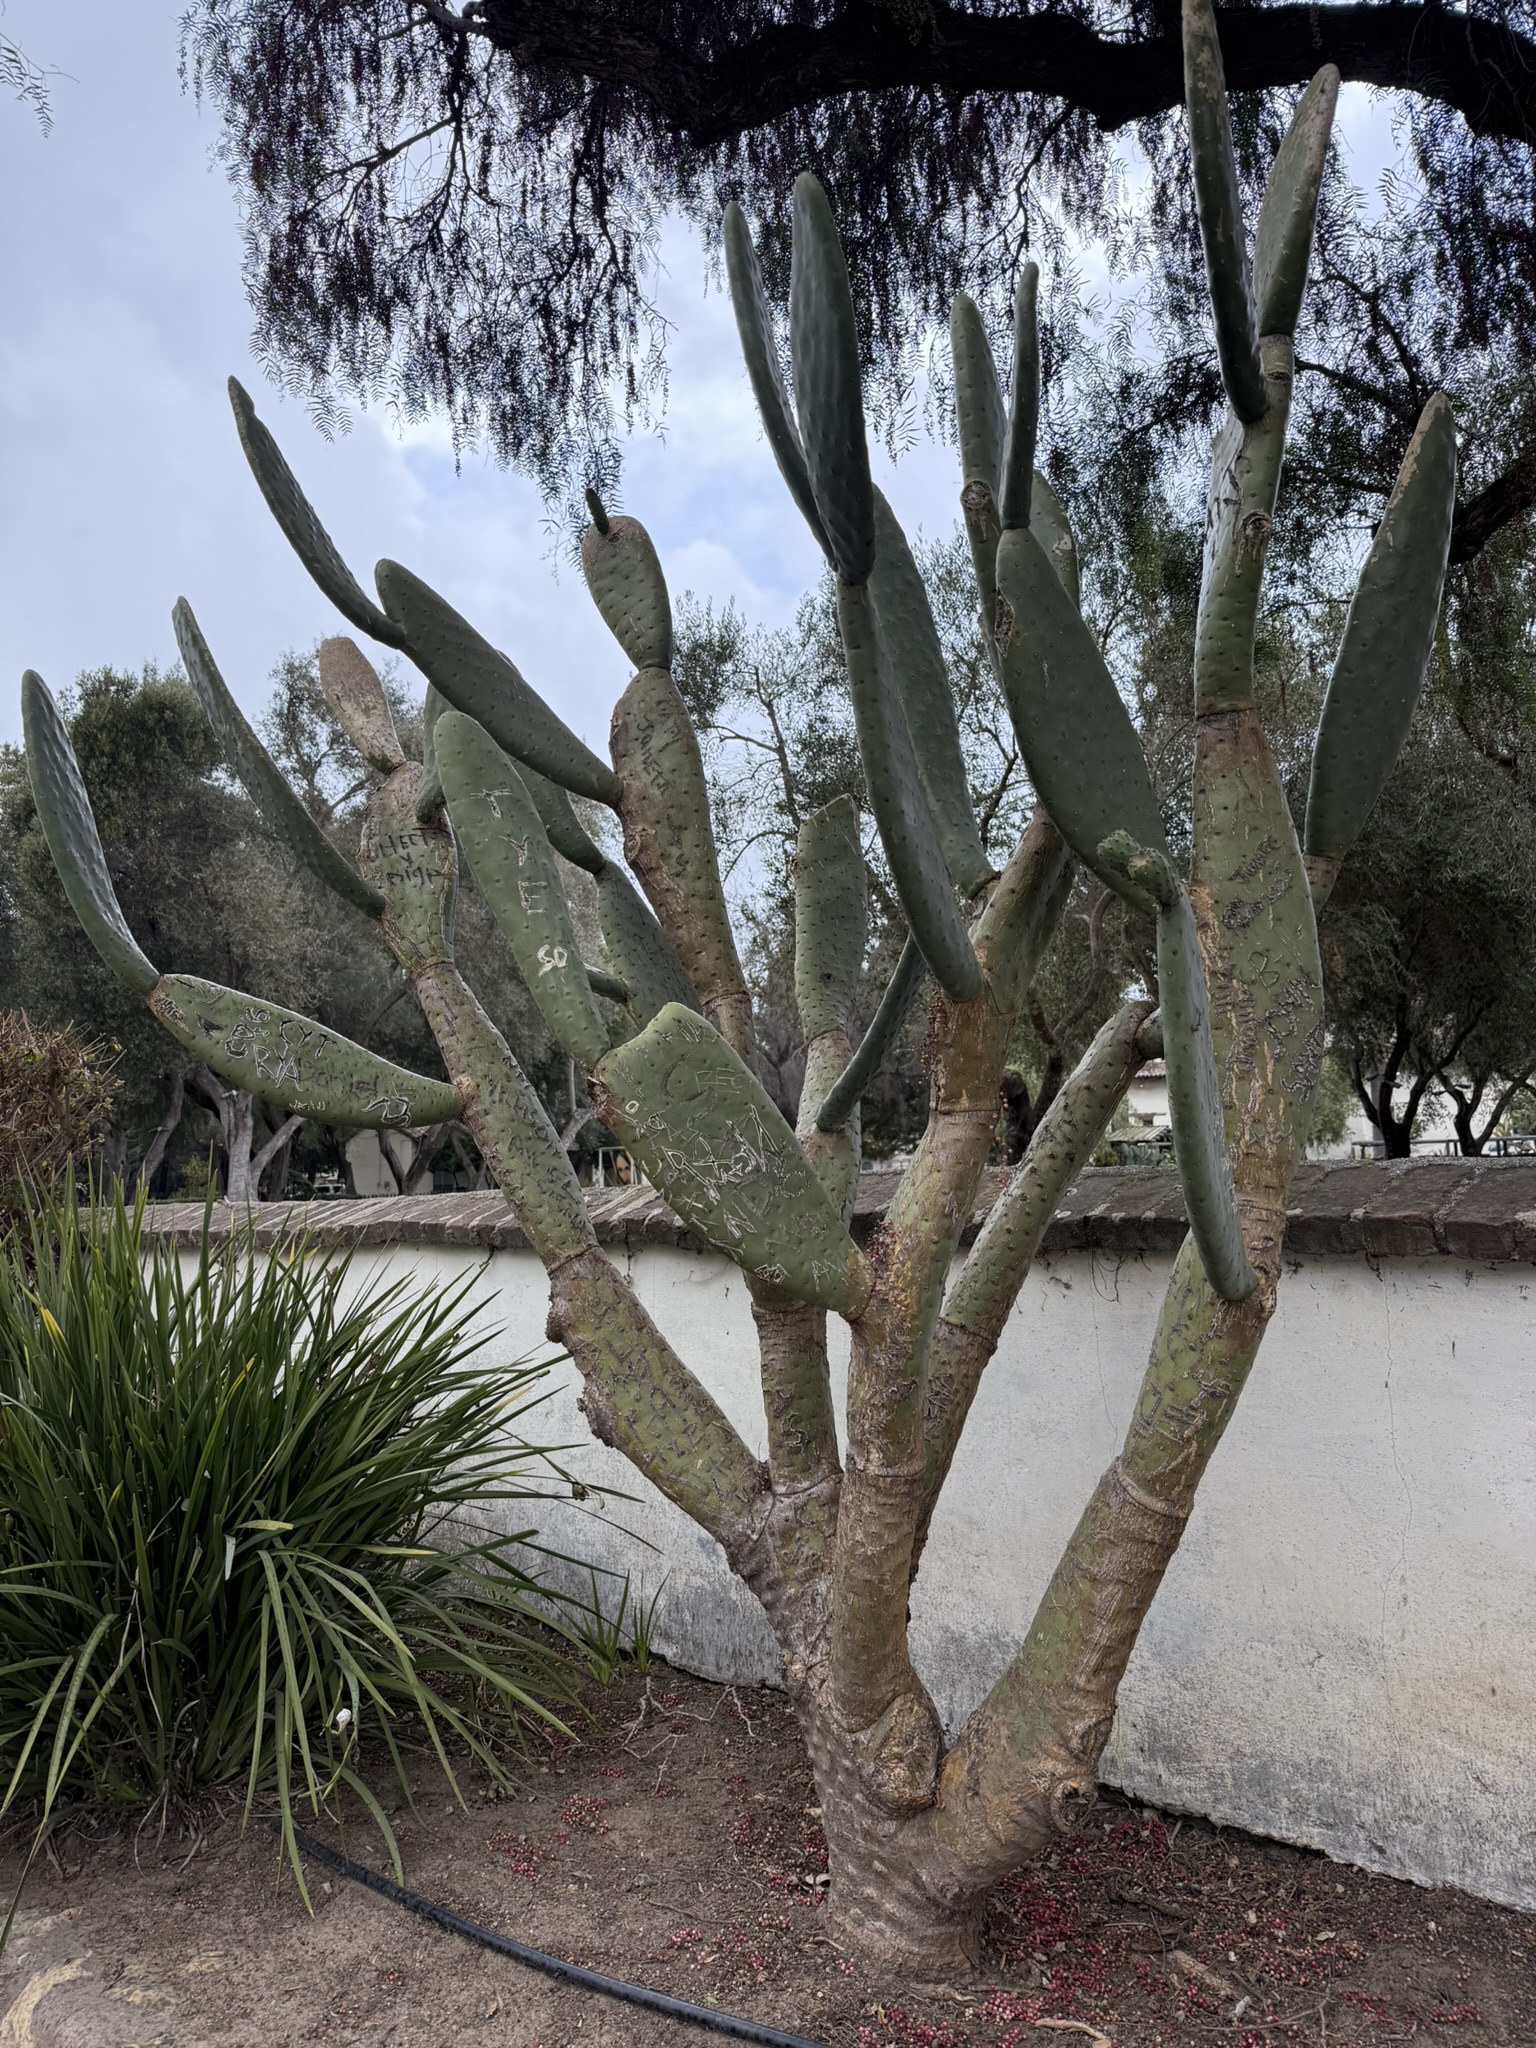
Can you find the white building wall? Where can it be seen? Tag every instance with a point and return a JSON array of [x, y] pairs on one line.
[[1344, 1650]]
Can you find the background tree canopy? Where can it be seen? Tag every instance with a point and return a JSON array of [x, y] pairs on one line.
[[460, 209]]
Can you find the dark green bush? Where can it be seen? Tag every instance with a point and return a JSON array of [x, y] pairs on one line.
[[242, 1526]]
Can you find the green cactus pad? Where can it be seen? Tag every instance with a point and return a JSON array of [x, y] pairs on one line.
[[429, 797], [1282, 247], [1387, 639], [980, 414], [1052, 528], [1074, 731], [760, 352], [628, 588], [829, 391], [351, 687], [498, 826], [480, 681], [1194, 1102], [1016, 484], [64, 812], [294, 1063], [639, 951], [922, 683], [567, 835], [307, 537], [906, 826], [264, 781], [1221, 213], [708, 1135], [845, 1094], [608, 986], [831, 916]]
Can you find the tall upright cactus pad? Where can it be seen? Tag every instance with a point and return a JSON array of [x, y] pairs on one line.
[[831, 917], [1219, 202], [1078, 741], [755, 327], [64, 812], [639, 951], [264, 782], [829, 391], [502, 836], [1379, 670], [1282, 244], [708, 1135], [927, 699]]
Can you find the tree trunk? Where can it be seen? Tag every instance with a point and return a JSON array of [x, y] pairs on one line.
[[272, 1160], [149, 1165]]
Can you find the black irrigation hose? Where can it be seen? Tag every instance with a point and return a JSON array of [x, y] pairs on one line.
[[535, 1959]]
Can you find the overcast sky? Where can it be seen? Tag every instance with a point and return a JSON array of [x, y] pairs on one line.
[[124, 482]]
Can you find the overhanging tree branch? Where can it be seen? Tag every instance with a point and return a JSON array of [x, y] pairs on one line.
[[714, 91]]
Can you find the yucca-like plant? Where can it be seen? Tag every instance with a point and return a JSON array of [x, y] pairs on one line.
[[226, 1559], [828, 1533]]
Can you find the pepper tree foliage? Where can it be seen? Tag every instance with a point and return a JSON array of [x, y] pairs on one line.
[[460, 209]]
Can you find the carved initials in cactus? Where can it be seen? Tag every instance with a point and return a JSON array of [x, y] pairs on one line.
[[920, 1820]]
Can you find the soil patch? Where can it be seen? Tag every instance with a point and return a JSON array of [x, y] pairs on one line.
[[677, 1843]]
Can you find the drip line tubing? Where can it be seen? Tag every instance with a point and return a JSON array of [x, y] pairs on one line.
[[552, 1966]]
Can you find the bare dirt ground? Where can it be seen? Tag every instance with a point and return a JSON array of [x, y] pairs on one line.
[[676, 1842]]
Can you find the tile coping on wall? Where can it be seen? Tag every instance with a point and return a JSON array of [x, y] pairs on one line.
[[1478, 1209]]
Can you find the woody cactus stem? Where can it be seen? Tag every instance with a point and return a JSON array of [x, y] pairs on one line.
[[920, 1819]]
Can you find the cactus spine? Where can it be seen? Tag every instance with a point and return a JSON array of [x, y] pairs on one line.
[[828, 1534]]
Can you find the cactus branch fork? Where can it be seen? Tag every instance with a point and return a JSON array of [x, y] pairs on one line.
[[828, 1532]]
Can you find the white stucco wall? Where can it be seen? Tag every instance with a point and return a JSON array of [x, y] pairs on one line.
[[1344, 1650]]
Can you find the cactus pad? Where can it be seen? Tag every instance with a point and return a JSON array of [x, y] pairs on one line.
[[503, 838], [922, 684], [1076, 736], [567, 835], [845, 1094], [1282, 246], [350, 685], [478, 680], [979, 410], [64, 812], [709, 1136], [1052, 528], [307, 537], [1016, 482], [294, 1063], [761, 355], [639, 951], [831, 917], [628, 588], [264, 781], [901, 809], [1380, 666], [829, 391], [1220, 206], [1194, 1102]]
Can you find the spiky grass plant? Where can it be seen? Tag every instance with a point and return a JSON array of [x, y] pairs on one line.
[[242, 1541]]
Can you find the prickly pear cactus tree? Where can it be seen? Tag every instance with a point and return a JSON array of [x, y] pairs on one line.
[[829, 1531]]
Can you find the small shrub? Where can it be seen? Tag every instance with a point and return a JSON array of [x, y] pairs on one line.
[[55, 1092], [225, 1557]]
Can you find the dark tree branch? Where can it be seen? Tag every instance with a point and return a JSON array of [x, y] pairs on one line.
[[1483, 69], [1508, 497]]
